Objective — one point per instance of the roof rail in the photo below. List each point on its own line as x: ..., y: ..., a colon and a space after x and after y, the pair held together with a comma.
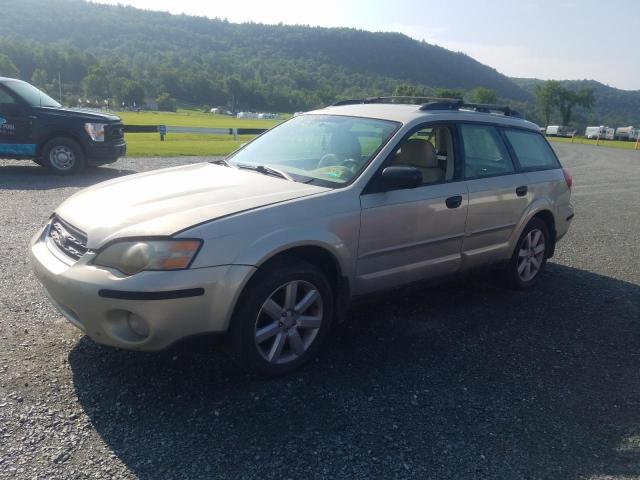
x: 476, y: 107
x: 434, y: 104
x: 391, y: 99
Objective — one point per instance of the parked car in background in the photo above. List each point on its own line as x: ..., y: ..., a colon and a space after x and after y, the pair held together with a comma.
x: 34, y: 126
x: 269, y: 246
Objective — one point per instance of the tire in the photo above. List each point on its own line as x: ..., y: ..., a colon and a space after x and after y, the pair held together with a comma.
x: 269, y: 338
x: 530, y: 256
x: 63, y: 156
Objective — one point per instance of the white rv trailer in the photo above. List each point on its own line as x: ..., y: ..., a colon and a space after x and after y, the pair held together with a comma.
x: 595, y: 132
x: 610, y: 133
x: 559, y: 131
x: 626, y: 133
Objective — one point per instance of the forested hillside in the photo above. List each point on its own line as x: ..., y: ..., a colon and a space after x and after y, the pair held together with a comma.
x: 125, y: 54
x: 612, y: 107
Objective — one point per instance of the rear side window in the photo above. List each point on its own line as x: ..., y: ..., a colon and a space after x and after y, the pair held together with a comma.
x: 532, y: 150
x: 485, y: 154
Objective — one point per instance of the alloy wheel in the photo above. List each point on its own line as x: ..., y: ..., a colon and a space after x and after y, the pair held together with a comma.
x: 531, y: 255
x: 288, y: 322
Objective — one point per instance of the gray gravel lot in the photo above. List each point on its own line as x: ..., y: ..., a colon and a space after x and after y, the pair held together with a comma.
x: 464, y: 380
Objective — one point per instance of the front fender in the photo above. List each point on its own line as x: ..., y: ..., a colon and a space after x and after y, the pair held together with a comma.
x: 270, y: 245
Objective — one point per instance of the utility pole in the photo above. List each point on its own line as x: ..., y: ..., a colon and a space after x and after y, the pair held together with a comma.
x: 59, y: 87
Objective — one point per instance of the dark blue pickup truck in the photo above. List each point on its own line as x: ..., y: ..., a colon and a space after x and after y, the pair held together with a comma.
x: 34, y: 126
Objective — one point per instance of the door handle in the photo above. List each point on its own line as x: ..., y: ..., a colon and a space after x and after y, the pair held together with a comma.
x: 454, y: 202
x: 522, y: 190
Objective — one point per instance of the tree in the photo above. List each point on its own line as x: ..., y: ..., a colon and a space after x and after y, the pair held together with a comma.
x: 449, y: 93
x: 546, y: 97
x: 40, y: 78
x: 405, y: 90
x: 132, y: 93
x: 7, y: 67
x: 484, y: 95
x: 96, y: 84
x: 568, y: 99
x: 166, y: 103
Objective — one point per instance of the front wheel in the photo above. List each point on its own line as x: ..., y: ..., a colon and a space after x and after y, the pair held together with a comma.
x: 282, y: 318
x: 63, y: 156
x: 530, y: 255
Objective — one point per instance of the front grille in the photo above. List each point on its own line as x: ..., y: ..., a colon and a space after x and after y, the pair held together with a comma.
x: 68, y: 239
x: 114, y: 131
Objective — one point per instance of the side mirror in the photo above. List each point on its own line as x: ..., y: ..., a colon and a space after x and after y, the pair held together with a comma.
x: 395, y: 178
x: 11, y: 109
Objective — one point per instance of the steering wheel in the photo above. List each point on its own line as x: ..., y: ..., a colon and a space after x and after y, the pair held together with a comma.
x: 328, y: 160
x: 351, y: 164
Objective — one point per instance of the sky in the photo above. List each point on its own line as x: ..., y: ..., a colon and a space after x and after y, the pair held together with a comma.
x: 561, y: 39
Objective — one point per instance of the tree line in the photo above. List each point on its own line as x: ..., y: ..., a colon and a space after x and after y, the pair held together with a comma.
x: 552, y: 97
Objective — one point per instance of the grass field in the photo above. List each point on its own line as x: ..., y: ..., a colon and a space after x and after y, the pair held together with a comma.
x: 603, y: 143
x: 181, y: 144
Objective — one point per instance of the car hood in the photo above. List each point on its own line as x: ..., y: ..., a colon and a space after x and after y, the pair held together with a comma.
x: 89, y: 115
x: 164, y: 202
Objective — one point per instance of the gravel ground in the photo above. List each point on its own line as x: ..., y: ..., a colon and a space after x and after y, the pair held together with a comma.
x: 465, y: 380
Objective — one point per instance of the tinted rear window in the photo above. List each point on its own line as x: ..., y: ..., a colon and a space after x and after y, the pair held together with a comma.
x: 532, y: 150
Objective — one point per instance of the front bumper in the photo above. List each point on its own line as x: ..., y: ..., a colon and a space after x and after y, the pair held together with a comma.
x: 102, y: 153
x: 78, y: 292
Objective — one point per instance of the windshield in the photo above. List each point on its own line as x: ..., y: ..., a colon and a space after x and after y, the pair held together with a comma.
x: 323, y: 149
x: 31, y: 95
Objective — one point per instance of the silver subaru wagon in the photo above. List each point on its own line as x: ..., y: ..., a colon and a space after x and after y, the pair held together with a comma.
x: 270, y: 245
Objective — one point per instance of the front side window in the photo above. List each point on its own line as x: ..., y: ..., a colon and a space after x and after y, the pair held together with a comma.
x: 323, y: 149
x: 430, y: 150
x: 532, y: 150
x: 485, y: 154
x: 5, y: 97
x: 31, y: 95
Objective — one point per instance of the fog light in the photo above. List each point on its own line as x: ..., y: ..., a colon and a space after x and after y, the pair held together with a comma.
x: 138, y: 325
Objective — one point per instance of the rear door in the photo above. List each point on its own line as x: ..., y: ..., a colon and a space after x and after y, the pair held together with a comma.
x: 498, y: 195
x: 15, y: 127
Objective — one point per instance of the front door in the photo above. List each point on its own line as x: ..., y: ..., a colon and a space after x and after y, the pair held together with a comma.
x: 409, y: 235
x: 15, y: 127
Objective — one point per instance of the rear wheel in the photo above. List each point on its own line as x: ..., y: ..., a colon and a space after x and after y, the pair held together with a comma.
x: 530, y: 255
x: 282, y: 318
x: 63, y: 156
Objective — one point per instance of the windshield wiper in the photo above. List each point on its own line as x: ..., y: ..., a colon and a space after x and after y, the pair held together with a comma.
x: 274, y: 172
x: 221, y: 161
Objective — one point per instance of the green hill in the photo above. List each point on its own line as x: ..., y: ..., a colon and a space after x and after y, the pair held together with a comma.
x: 206, y: 61
x: 129, y: 55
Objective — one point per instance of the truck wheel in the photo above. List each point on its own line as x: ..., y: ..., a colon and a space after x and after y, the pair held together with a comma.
x: 63, y: 156
x: 282, y: 318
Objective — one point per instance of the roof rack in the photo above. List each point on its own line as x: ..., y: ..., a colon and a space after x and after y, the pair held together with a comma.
x: 434, y: 104
x: 392, y: 99
x: 476, y: 107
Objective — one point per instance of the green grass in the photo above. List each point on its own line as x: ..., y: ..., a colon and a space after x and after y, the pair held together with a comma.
x: 182, y: 144
x: 603, y: 143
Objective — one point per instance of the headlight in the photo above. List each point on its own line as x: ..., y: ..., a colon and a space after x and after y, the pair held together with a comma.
x: 95, y: 131
x: 131, y: 257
